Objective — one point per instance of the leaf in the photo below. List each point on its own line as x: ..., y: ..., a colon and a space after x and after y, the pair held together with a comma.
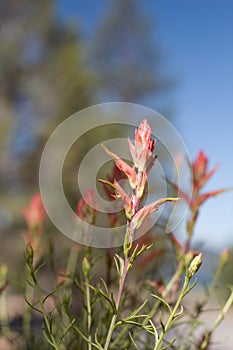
x: 66, y: 331
x: 169, y: 345
x: 121, y: 264
x: 134, y: 314
x: 133, y: 341
x: 48, y: 339
x: 155, y: 333
x: 107, y: 296
x: 105, y: 182
x: 162, y: 324
x: 141, y: 215
x: 164, y: 302
x: 180, y: 312
x: 33, y: 307
x: 96, y: 340
x: 85, y: 338
x: 190, y: 287
x: 53, y: 292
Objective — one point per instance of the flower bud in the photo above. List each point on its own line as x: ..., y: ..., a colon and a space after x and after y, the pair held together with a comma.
x: 225, y: 257
x: 86, y: 266
x: 195, y: 265
x: 29, y: 254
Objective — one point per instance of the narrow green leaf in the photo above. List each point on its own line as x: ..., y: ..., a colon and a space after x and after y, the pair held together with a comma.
x: 54, y: 291
x: 48, y: 339
x: 121, y: 263
x: 133, y: 341
x: 66, y: 331
x: 169, y: 345
x: 33, y: 307
x: 85, y: 338
x: 164, y: 302
x: 134, y: 314
x: 179, y: 312
x: 155, y: 333
x: 190, y: 287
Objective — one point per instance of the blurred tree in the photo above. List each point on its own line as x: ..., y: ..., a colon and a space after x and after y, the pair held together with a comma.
x: 43, y: 80
x: 126, y: 58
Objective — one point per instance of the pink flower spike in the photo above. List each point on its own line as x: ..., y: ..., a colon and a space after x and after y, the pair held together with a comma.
x: 123, y: 166
x: 142, y: 150
x: 108, y: 185
x: 208, y: 175
x: 199, y: 168
x: 121, y: 193
x: 141, y: 182
x: 141, y: 215
x: 203, y: 197
x: 143, y: 135
x: 35, y: 213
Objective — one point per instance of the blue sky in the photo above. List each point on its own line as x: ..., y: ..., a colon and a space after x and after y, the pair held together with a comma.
x: 197, y: 39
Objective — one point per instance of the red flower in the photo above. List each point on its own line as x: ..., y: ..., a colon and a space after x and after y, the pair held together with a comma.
x: 199, y: 168
x: 35, y: 213
x: 141, y: 215
x: 86, y: 208
x: 142, y: 150
x: 143, y: 159
x: 200, y: 177
x: 124, y: 167
x: 115, y: 175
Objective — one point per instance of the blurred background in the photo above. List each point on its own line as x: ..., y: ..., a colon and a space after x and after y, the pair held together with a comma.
x: 58, y: 57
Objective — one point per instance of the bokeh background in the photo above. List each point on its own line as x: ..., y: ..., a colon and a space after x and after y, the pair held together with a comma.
x: 58, y: 57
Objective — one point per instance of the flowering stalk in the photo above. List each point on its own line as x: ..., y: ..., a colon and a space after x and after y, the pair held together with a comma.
x: 200, y: 177
x: 143, y: 160
x: 87, y: 211
x: 86, y: 271
x: 34, y: 215
x: 191, y: 271
x: 29, y: 256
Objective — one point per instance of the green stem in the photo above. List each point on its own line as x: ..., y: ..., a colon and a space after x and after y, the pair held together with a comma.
x: 118, y: 300
x: 127, y: 247
x: 3, y: 314
x: 172, y: 315
x: 40, y: 299
x: 223, y: 311
x: 29, y: 294
x: 165, y: 293
x: 110, y: 331
x: 88, y: 300
x: 167, y: 290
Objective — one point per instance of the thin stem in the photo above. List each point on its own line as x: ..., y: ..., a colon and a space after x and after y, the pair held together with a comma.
x: 88, y: 300
x: 118, y: 300
x: 167, y: 290
x: 165, y: 293
x: 110, y: 331
x: 40, y: 299
x: 172, y: 315
x: 29, y: 294
x: 121, y: 286
x: 223, y: 311
x: 3, y: 314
